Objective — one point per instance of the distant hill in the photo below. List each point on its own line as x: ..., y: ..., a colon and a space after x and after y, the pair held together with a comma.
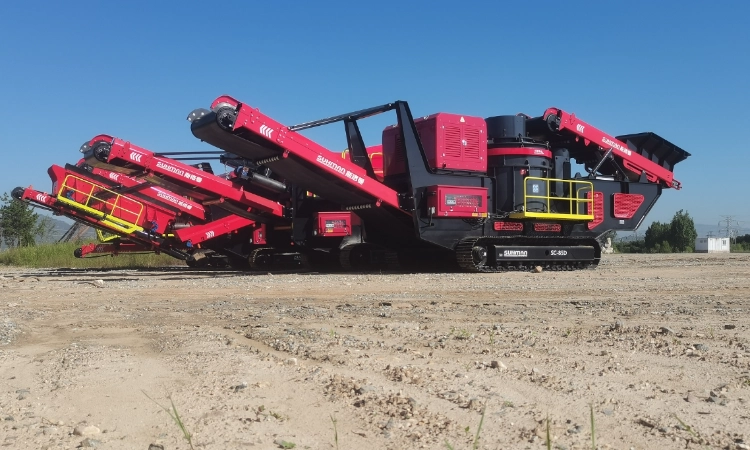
x: 62, y: 225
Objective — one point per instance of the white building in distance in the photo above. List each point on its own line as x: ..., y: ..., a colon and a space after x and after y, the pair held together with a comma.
x: 712, y: 245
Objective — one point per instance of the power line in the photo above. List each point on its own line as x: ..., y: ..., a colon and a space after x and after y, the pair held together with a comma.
x: 730, y: 226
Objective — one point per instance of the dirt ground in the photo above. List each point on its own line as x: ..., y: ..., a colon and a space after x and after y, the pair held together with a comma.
x: 656, y: 346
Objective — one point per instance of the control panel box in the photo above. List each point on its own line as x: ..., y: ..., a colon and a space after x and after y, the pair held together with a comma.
x: 334, y: 224
x: 457, y: 201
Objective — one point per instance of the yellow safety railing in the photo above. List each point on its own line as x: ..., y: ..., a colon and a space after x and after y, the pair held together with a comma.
x: 105, y: 236
x: 579, y: 201
x: 81, y: 194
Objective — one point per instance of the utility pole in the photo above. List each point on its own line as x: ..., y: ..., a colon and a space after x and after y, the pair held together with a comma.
x: 730, y: 226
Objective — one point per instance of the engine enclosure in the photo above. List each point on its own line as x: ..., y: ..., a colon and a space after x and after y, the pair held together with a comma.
x: 451, y: 142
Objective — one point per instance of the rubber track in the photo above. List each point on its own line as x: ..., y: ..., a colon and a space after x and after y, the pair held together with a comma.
x: 465, y: 260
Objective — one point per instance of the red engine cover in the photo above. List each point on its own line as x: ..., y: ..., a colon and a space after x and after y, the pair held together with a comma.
x: 450, y: 141
x: 457, y: 201
x: 335, y: 224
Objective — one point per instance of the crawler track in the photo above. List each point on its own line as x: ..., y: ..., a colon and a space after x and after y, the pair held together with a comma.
x: 470, y: 259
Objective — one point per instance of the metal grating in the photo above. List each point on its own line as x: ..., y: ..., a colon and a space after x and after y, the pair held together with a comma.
x: 547, y: 227
x: 626, y: 205
x: 598, y: 212
x: 453, y: 147
x: 472, y: 149
x: 508, y: 226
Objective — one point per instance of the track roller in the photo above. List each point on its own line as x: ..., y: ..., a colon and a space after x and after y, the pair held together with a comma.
x: 269, y: 258
x: 471, y: 256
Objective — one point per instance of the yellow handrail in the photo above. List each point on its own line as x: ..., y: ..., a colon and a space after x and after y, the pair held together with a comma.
x: 110, y: 218
x: 574, y: 202
x: 106, y: 237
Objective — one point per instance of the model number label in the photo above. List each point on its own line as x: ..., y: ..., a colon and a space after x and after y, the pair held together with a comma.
x: 558, y: 253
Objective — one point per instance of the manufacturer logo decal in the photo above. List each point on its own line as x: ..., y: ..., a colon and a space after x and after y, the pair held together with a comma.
x: 515, y: 253
x: 172, y: 199
x: 135, y: 157
x: 609, y: 142
x: 41, y: 198
x: 333, y: 166
x: 210, y: 234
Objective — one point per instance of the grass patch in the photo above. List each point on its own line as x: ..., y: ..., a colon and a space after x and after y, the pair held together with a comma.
x: 461, y: 334
x: 335, y: 432
x: 475, y: 443
x: 172, y: 411
x: 61, y: 255
x: 593, y: 427
x: 475, y: 446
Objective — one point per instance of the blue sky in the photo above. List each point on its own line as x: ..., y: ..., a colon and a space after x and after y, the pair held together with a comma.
x: 71, y: 70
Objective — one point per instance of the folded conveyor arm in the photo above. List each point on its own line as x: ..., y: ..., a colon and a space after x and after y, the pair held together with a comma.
x: 655, y: 157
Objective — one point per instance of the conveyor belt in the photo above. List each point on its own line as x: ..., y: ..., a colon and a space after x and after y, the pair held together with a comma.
x: 299, y: 170
x: 181, y: 178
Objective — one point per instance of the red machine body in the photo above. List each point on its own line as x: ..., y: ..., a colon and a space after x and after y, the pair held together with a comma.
x: 511, y: 174
x: 450, y: 142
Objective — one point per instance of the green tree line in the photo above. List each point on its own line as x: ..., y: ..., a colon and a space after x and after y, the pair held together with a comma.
x: 670, y: 237
x: 20, y: 226
x: 741, y: 244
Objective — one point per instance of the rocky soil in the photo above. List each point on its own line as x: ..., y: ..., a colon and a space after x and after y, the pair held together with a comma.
x: 656, y: 347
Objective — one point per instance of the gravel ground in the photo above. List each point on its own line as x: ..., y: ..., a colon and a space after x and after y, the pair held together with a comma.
x: 656, y: 346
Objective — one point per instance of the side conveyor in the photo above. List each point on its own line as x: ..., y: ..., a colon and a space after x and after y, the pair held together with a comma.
x: 244, y: 131
x: 180, y: 178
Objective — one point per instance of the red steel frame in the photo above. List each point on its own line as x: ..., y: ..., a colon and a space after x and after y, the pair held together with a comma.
x: 180, y: 203
x: 196, y: 234
x: 49, y: 201
x: 220, y: 227
x: 152, y: 212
